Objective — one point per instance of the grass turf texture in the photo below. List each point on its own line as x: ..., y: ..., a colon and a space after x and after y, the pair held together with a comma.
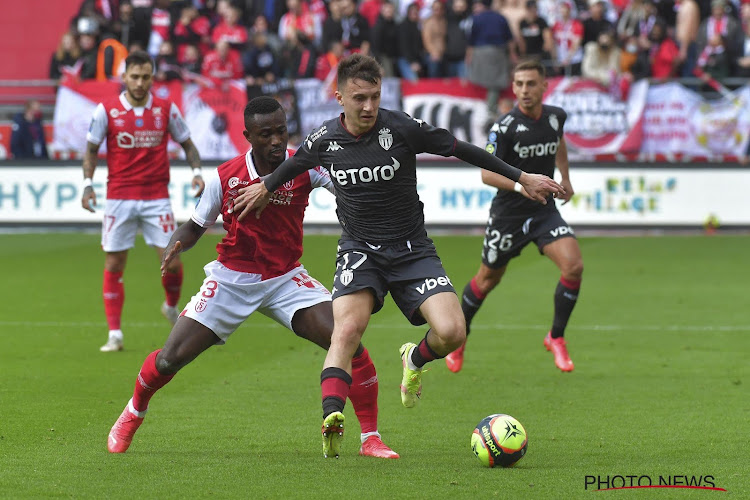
x: 659, y: 339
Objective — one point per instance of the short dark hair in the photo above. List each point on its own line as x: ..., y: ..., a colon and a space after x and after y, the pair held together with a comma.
x: 359, y: 66
x: 263, y: 105
x: 531, y: 64
x: 138, y: 58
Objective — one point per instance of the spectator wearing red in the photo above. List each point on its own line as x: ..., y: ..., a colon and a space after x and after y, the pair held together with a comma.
x: 568, y: 35
x: 222, y: 64
x: 191, y: 28
x: 718, y: 34
x: 664, y: 53
x: 370, y: 10
x: 161, y: 21
x: 327, y: 64
x: 229, y: 30
x: 301, y: 20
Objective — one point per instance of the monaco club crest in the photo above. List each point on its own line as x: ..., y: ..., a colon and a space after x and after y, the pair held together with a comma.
x: 553, y: 122
x: 347, y: 275
x: 385, y: 138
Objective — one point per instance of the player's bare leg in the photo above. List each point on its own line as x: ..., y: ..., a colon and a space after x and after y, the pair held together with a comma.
x: 316, y: 325
x: 447, y: 333
x: 566, y: 254
x: 472, y: 298
x: 113, y: 292
x: 171, y: 281
x: 186, y: 341
x: 351, y: 314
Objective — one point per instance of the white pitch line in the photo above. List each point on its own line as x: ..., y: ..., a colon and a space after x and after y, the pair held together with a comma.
x: 500, y: 326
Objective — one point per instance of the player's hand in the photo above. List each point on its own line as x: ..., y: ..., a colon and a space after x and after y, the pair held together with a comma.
x: 88, y: 200
x: 199, y: 184
x: 253, y: 197
x: 538, y: 187
x: 568, y: 187
x: 169, y: 254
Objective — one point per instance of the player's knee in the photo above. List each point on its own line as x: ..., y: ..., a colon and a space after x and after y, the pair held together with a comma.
x: 573, y: 270
x: 167, y: 363
x: 451, y: 331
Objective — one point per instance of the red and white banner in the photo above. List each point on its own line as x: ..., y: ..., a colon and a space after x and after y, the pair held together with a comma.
x: 599, y: 122
x: 681, y: 122
x: 450, y: 103
x: 73, y: 110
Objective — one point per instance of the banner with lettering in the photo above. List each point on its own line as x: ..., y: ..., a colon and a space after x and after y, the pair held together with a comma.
x: 73, y: 110
x: 599, y: 121
x: 679, y: 121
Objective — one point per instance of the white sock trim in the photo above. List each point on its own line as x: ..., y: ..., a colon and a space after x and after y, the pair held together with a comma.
x: 363, y: 437
x: 409, y: 362
x: 131, y: 409
x: 115, y: 334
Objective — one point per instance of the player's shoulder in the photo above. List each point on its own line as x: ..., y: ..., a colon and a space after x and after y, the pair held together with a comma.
x: 160, y: 104
x: 327, y: 128
x: 234, y: 167
x: 396, y: 119
x: 111, y: 102
x: 503, y: 123
x: 554, y: 114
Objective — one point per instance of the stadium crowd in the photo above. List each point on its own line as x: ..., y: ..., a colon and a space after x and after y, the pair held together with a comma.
x: 611, y: 41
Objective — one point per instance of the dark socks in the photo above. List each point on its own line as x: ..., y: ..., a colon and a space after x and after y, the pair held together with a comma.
x: 566, y: 295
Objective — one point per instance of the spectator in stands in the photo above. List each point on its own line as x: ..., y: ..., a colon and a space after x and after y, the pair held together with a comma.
x: 27, y: 133
x: 92, y: 12
x: 664, y: 55
x: 88, y: 40
x: 65, y: 57
x: 328, y: 63
x: 384, y: 39
x: 568, y: 35
x: 191, y: 62
x: 370, y: 10
x: 410, y: 45
x: 536, y: 36
x: 298, y: 55
x: 596, y: 22
x: 161, y: 21
x: 191, y: 28
x: 491, y: 52
x: 229, y: 30
x: 123, y: 27
x: 434, y: 31
x: 631, y: 17
x: 262, y: 26
x: 718, y: 39
x: 458, y: 28
x: 743, y: 61
x: 601, y: 60
x: 222, y: 64
x: 351, y: 29
x: 166, y: 66
x: 300, y: 19
x: 260, y: 61
x: 110, y: 59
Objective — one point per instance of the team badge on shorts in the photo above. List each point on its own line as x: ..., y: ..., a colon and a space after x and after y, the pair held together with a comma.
x: 385, y: 138
x: 491, y: 255
x: 200, y: 306
x: 346, y: 277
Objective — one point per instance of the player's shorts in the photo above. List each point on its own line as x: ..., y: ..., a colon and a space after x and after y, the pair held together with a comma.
x: 227, y: 298
x: 505, y: 237
x: 411, y: 271
x: 122, y: 218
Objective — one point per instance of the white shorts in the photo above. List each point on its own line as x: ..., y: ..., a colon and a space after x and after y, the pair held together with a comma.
x: 227, y: 298
x: 122, y: 218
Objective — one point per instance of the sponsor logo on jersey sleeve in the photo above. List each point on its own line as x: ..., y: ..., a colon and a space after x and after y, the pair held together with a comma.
x: 310, y: 140
x: 491, y: 147
x: 492, y: 137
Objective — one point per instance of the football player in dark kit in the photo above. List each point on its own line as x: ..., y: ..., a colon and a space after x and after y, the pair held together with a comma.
x: 531, y: 137
x: 371, y: 156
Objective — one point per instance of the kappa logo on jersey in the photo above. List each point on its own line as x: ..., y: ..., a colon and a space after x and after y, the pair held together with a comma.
x: 420, y: 122
x: 553, y: 122
x: 346, y: 277
x: 125, y: 140
x: 536, y: 150
x: 385, y: 138
x: 333, y: 146
x: 522, y: 128
x: 315, y: 136
x: 365, y: 174
x: 562, y: 230
x: 431, y: 283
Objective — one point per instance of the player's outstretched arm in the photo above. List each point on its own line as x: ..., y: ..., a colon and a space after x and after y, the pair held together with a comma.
x: 183, y: 239
x: 537, y: 186
x: 256, y: 196
x: 88, y: 199
x: 194, y: 160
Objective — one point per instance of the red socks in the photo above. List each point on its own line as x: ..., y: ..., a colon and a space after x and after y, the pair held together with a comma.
x: 364, y: 392
x: 172, y: 283
x: 148, y: 382
x: 114, y: 298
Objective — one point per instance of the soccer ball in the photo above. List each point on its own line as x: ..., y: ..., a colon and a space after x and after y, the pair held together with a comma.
x: 499, y: 440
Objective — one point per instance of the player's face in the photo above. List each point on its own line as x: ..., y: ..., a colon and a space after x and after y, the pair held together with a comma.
x: 529, y: 88
x: 361, y: 101
x: 269, y: 136
x: 138, y: 80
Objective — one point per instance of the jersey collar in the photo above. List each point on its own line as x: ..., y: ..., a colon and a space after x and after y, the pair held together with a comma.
x: 251, y: 170
x: 127, y: 105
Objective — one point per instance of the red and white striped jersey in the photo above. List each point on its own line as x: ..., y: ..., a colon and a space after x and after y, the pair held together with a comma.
x: 271, y: 245
x: 137, y: 161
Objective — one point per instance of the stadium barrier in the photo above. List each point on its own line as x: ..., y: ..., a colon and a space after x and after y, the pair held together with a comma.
x: 612, y: 195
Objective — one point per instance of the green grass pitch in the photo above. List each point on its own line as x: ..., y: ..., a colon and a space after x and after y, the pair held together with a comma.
x: 660, y: 339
